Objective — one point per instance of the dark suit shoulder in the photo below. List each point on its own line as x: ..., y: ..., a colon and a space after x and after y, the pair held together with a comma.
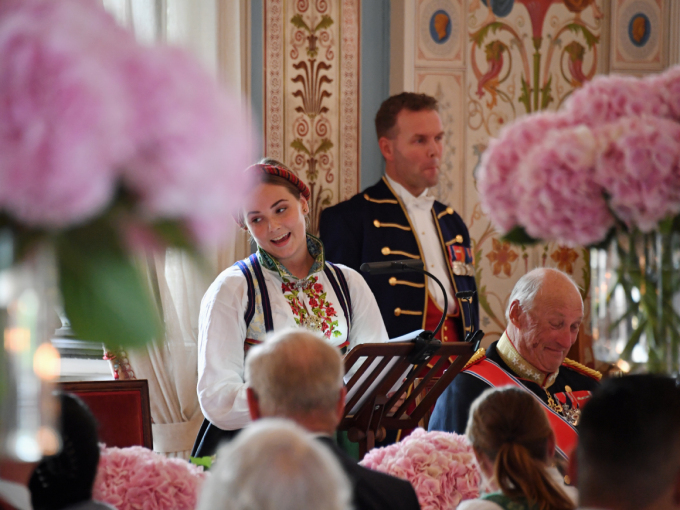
x: 374, y: 490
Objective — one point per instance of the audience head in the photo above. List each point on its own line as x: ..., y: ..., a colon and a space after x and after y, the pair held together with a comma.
x: 411, y: 139
x: 66, y: 478
x: 544, y: 315
x: 628, y: 455
x: 513, y: 442
x: 275, y: 465
x: 296, y: 374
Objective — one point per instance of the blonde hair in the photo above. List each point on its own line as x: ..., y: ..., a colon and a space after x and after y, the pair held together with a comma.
x: 511, y: 429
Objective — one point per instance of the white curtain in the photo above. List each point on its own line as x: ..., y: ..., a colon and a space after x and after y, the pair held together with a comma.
x: 216, y: 32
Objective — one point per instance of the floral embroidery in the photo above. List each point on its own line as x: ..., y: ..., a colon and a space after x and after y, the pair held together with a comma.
x: 322, y: 313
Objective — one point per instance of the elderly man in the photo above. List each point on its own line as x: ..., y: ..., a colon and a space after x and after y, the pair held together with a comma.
x: 275, y: 465
x: 544, y: 315
x: 628, y: 455
x: 295, y: 374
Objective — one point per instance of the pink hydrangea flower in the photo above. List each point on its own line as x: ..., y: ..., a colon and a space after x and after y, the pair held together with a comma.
x: 668, y: 86
x: 441, y: 466
x: 192, y: 144
x: 608, y: 98
x: 639, y: 167
x: 497, y: 178
x: 62, y: 110
x: 562, y: 199
x: 135, y: 477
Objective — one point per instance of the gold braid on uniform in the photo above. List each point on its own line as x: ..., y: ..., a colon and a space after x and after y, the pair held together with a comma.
x: 582, y: 368
x: 479, y: 354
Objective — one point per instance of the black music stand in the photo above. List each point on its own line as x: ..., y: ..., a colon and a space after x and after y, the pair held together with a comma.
x: 367, y: 411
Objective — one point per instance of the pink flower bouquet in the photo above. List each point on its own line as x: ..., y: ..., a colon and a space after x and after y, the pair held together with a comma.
x: 609, y: 160
x: 106, y: 146
x: 440, y: 465
x: 136, y: 477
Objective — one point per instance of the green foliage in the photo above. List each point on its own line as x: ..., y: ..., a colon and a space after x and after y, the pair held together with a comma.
x: 326, y: 22
x: 298, y: 22
x: 324, y: 146
x: 519, y: 236
x: 299, y: 146
x: 546, y: 97
x: 591, y: 39
x: 525, y: 96
x: 103, y: 293
x: 206, y: 461
x: 479, y: 36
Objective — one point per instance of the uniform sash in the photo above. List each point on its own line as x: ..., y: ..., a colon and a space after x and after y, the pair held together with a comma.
x: 566, y: 436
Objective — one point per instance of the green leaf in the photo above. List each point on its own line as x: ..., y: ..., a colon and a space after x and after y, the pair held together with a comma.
x: 479, y: 36
x: 324, y: 146
x: 591, y: 39
x: 174, y: 233
x: 326, y: 21
x: 298, y: 22
x: 299, y: 146
x: 546, y: 97
x: 519, y: 236
x: 103, y: 294
x: 206, y: 462
x: 524, y: 97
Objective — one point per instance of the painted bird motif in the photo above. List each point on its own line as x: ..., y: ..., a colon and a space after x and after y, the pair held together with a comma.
x: 489, y: 82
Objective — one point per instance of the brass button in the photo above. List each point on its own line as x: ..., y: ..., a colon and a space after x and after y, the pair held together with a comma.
x: 376, y: 223
x: 458, y: 239
x: 444, y: 327
x: 397, y: 312
x: 449, y: 210
x: 385, y: 251
x: 567, y: 480
x: 393, y: 281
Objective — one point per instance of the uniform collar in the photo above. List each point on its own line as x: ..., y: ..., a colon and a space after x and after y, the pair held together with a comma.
x: 520, y: 366
x: 423, y: 201
x: 315, y: 248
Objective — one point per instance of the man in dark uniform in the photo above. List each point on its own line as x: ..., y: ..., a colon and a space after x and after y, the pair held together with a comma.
x: 398, y: 218
x: 544, y: 316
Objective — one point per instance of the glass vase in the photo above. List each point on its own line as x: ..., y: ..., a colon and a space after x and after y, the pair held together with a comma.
x: 29, y: 364
x: 635, y: 299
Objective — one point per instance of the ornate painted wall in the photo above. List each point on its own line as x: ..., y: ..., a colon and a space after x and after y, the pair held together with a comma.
x: 311, y: 94
x: 489, y: 66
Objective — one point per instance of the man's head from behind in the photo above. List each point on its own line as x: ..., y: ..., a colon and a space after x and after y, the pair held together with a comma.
x: 295, y: 374
x: 410, y: 136
x: 544, y: 314
x: 628, y: 455
x: 275, y: 465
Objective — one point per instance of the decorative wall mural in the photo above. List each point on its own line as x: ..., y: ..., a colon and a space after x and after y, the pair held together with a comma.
x: 311, y: 109
x: 440, y: 33
x: 524, y: 56
x: 639, y: 38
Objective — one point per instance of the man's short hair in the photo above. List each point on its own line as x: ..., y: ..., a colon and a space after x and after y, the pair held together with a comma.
x: 295, y: 372
x: 527, y: 287
x: 629, y: 442
x: 386, y: 118
x: 274, y: 464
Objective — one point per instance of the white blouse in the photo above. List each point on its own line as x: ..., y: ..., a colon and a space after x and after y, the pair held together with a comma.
x: 222, y: 333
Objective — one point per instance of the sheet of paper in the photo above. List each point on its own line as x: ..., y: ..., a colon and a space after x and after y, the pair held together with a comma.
x: 409, y: 337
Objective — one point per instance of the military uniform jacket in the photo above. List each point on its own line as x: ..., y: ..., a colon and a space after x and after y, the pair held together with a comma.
x: 453, y: 406
x: 373, y: 226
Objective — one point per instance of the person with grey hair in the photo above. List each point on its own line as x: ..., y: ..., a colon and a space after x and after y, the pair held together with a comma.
x: 544, y: 314
x: 295, y: 374
x: 275, y: 465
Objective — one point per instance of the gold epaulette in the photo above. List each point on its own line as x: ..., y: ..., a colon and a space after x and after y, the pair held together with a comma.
x: 476, y: 357
x: 582, y: 368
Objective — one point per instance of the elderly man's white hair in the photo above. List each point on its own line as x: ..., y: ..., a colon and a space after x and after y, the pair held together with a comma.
x: 274, y: 464
x: 527, y: 287
x: 295, y: 372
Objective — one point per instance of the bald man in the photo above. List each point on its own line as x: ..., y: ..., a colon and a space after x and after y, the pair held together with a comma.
x: 544, y: 314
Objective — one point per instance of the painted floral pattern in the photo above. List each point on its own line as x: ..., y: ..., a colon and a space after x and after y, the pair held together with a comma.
x: 501, y: 257
x: 322, y: 312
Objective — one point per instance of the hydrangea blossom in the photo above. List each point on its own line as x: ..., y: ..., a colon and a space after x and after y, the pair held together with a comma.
x: 136, y: 477
x: 562, y: 199
x: 498, y: 182
x: 639, y: 167
x: 441, y: 466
